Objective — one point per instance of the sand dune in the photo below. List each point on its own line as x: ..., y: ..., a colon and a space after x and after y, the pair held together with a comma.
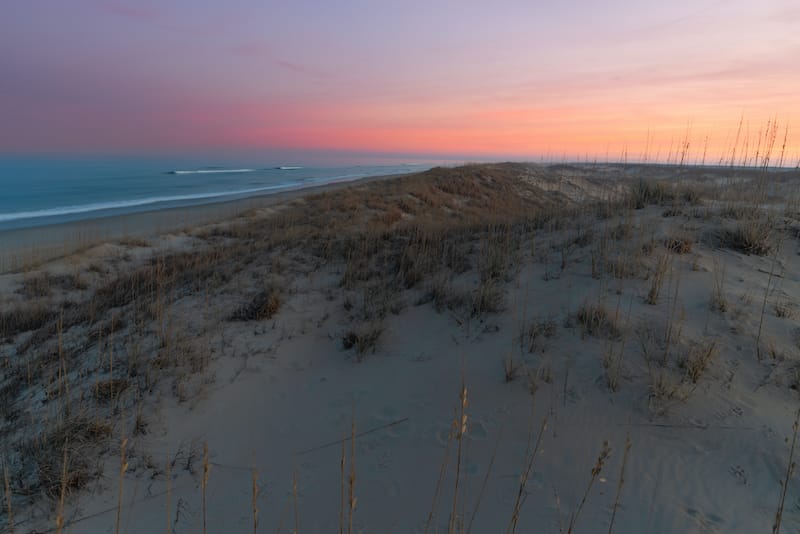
x: 492, y: 336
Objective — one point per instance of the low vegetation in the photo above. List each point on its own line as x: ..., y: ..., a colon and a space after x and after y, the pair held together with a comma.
x: 482, y: 246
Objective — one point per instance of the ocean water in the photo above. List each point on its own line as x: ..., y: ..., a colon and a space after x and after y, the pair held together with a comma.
x: 42, y: 191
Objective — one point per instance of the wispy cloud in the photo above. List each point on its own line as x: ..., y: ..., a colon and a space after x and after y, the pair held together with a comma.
x: 259, y: 50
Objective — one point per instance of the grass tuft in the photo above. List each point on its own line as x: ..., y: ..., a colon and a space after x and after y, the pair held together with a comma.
x: 596, y: 320
x: 749, y: 237
x: 263, y: 306
x: 363, y: 339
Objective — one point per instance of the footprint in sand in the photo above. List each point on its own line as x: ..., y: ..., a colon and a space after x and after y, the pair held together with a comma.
x: 738, y: 472
x: 710, y: 522
x: 442, y: 434
x: 383, y: 460
x: 768, y: 432
x: 400, y: 430
x: 388, y: 424
x: 368, y: 446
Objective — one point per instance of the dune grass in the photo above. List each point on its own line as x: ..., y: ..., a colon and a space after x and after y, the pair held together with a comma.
x: 455, y: 239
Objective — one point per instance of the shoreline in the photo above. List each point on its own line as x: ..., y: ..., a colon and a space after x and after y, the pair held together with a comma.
x: 21, y: 248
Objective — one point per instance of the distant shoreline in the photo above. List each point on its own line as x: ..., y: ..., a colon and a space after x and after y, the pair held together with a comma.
x: 25, y: 246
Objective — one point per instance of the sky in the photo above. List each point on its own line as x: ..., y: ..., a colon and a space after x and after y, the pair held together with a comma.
x: 511, y: 79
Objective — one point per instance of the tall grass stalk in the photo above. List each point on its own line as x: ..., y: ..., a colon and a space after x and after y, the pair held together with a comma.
x: 620, y: 483
x: 254, y: 499
x: 764, y: 302
x: 295, y: 503
x: 605, y: 452
x: 485, y: 481
x: 776, y: 526
x: 342, y: 466
x: 63, y: 494
x: 442, y: 471
x: 123, y: 467
x: 523, y: 481
x: 168, y: 471
x: 460, y: 433
x: 7, y: 491
x: 351, y: 481
x: 204, y: 484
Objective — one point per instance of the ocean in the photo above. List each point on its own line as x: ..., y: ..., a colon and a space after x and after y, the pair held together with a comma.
x: 38, y: 191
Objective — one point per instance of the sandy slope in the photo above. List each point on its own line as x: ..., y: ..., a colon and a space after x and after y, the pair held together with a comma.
x: 279, y: 394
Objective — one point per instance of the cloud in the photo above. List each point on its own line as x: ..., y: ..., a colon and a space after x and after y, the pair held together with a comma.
x: 260, y: 50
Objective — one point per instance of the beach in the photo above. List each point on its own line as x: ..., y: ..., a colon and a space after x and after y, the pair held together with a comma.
x: 496, y: 347
x: 21, y: 247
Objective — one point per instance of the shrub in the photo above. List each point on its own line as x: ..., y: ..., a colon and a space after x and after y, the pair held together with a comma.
x: 646, y: 193
x: 749, y: 237
x: 679, y: 244
x: 263, y: 306
x: 489, y: 298
x: 595, y: 320
x: 659, y: 274
x: 697, y: 360
x: 81, y: 438
x: 363, y: 339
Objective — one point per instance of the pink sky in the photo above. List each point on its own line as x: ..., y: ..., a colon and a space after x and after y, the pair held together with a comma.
x: 519, y: 79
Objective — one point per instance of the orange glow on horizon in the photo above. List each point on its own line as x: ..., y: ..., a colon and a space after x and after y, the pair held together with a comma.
x: 615, y: 80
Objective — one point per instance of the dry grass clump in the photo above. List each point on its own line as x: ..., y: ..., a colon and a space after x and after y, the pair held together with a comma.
x: 363, y: 339
x: 510, y: 368
x: 444, y: 295
x: 262, y: 306
x: 658, y: 192
x: 530, y: 336
x: 108, y: 390
x: 718, y: 300
x: 596, y: 320
x: 646, y: 193
x: 42, y: 457
x: 665, y: 388
x: 749, y: 237
x: 133, y: 242
x: 41, y: 284
x: 659, y: 274
x: 24, y: 318
x: 697, y: 359
x: 674, y: 365
x: 690, y: 195
x: 785, y: 309
x: 494, y: 254
x: 489, y: 297
x: 622, y: 231
x: 35, y: 285
x: 624, y: 265
x: 740, y: 212
x: 679, y: 244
